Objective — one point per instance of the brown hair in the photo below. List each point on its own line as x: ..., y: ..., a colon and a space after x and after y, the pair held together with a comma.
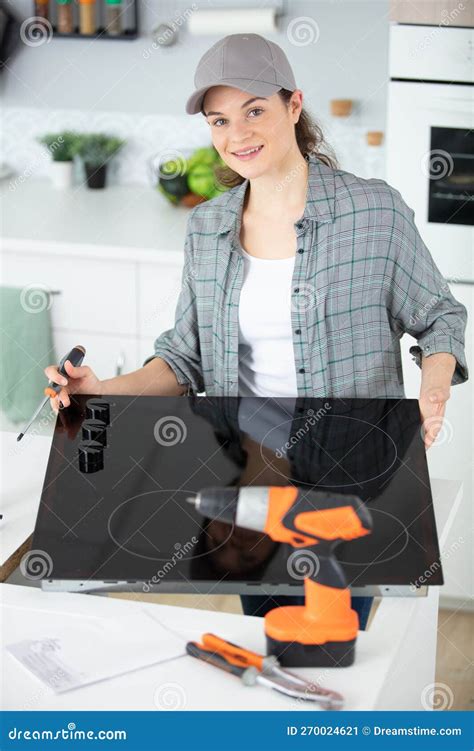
x: 309, y: 137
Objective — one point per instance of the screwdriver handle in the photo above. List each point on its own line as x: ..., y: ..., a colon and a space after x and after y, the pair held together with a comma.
x: 75, y: 356
x: 232, y: 652
x: 213, y: 658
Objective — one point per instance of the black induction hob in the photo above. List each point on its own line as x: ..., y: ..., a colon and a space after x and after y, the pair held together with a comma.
x: 115, y: 516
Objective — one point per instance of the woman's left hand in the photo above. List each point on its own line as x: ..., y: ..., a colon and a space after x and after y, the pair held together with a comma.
x: 432, y: 407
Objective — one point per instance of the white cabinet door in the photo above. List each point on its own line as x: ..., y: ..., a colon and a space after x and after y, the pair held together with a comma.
x: 159, y: 286
x: 106, y: 355
x: 94, y: 295
x: 415, y: 52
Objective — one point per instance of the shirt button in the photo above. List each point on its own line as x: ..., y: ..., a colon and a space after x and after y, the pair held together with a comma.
x: 297, y: 289
x: 297, y: 331
x: 301, y: 370
x: 300, y: 250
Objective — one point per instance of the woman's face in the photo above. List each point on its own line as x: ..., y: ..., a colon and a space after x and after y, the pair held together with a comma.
x: 239, y: 121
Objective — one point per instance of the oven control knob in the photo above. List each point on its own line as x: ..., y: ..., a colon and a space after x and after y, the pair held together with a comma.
x: 98, y: 409
x: 91, y: 456
x: 95, y: 430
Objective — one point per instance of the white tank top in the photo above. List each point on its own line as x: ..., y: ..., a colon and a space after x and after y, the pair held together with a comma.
x: 266, y: 357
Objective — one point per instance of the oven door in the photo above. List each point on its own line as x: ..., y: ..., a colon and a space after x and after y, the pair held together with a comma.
x: 430, y: 161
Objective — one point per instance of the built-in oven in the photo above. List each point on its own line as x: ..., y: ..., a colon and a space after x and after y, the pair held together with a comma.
x: 451, y: 176
x: 430, y: 139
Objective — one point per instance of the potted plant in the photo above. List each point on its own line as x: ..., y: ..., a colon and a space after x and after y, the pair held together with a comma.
x: 96, y: 150
x: 61, y: 147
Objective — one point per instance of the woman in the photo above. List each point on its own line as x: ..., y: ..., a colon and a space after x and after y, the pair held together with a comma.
x: 300, y: 279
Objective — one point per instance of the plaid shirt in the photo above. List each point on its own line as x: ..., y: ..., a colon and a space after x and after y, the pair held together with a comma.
x: 362, y: 278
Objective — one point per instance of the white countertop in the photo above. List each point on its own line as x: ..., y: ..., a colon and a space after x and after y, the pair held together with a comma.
x: 189, y: 683
x: 132, y: 222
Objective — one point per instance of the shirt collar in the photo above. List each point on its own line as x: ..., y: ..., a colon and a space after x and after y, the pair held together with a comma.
x: 319, y: 204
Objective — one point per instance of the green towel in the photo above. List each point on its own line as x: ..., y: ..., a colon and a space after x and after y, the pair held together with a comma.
x: 26, y: 349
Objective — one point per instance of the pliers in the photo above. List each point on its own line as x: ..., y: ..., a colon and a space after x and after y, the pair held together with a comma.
x: 253, y: 668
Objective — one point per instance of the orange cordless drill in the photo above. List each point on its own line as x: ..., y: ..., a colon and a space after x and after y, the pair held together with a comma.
x: 323, y: 631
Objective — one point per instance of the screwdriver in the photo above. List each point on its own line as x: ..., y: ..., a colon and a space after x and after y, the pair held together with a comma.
x: 75, y: 356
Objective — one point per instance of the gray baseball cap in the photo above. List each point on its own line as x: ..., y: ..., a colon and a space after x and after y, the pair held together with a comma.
x: 246, y: 61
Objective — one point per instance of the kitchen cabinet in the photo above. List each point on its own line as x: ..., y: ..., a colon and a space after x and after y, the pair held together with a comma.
x: 433, y: 12
x: 106, y: 354
x: 94, y: 295
x: 113, y: 258
x: 115, y: 309
x: 159, y: 291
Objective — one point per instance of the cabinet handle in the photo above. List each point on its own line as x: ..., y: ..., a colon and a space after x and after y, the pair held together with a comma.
x: 119, y: 364
x: 469, y: 282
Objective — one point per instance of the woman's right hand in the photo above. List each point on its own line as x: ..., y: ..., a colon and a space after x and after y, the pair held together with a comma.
x: 79, y: 380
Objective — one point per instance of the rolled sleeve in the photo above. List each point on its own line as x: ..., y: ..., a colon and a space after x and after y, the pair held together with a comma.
x: 421, y: 303
x: 179, y: 346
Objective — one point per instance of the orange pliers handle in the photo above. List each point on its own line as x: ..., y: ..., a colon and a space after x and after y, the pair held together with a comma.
x: 234, y: 654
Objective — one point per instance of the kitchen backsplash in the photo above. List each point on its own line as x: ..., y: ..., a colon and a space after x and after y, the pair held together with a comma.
x: 147, y: 135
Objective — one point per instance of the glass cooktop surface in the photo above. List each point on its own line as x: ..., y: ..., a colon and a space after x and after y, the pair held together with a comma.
x: 113, y: 510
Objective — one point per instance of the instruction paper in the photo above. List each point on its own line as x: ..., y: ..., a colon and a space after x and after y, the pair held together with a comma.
x: 79, y: 651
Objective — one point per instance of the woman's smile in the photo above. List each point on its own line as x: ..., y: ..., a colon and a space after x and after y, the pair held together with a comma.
x: 250, y: 153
